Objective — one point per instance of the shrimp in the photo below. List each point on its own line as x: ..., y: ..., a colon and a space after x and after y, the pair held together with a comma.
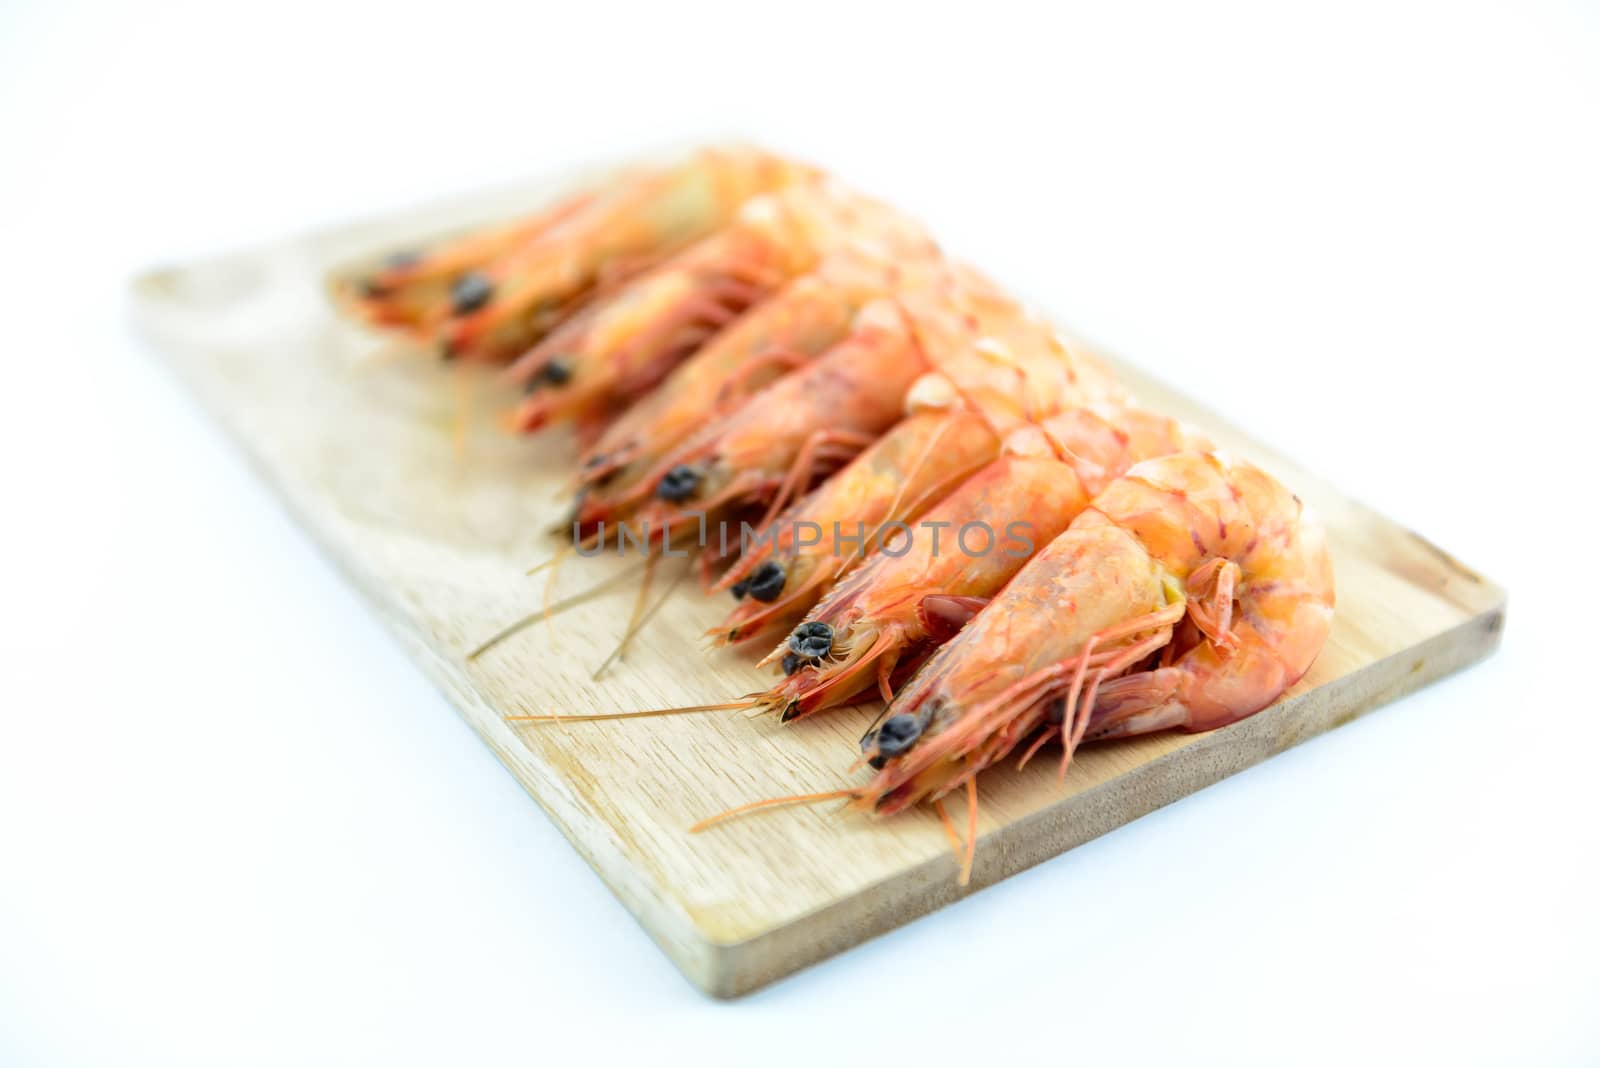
x: 809, y: 423
x: 782, y: 333
x: 768, y: 451
x: 1014, y: 369
x: 410, y: 291
x: 621, y: 347
x: 499, y: 309
x: 1190, y: 594
x: 913, y: 595
x: 804, y: 424
x: 800, y: 555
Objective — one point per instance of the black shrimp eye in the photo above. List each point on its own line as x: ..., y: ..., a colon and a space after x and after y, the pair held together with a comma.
x: 557, y: 372
x: 766, y: 582
x: 1056, y: 711
x: 897, y: 734
x: 792, y: 663
x: 678, y: 484
x: 469, y: 293
x: 399, y: 261
x: 739, y: 589
x: 813, y: 641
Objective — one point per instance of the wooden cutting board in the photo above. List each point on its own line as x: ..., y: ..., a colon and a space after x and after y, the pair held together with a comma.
x: 360, y: 437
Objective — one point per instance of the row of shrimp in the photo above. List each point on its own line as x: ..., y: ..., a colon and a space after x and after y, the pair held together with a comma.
x: 737, y: 337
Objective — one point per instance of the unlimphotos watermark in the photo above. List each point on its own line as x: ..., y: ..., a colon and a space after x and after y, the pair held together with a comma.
x: 894, y: 539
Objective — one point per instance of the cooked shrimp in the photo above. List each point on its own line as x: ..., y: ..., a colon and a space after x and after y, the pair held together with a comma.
x: 1190, y: 594
x: 500, y: 309
x: 619, y: 348
x: 806, y: 548
x: 410, y: 290
x: 782, y: 333
x: 997, y: 368
x: 803, y: 425
x: 917, y: 593
x: 811, y: 422
x: 769, y: 450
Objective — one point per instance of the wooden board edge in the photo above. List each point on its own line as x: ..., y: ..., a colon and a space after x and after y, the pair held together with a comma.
x: 741, y: 968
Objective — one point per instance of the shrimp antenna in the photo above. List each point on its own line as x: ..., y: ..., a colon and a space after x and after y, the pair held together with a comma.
x: 774, y: 802
x: 564, y: 553
x: 972, y: 832
x: 916, y: 467
x: 949, y: 829
x: 555, y: 561
x: 641, y: 615
x: 591, y: 543
x: 550, y: 610
x: 557, y: 717
x: 635, y: 617
x: 546, y: 608
x: 1038, y: 744
x: 932, y: 493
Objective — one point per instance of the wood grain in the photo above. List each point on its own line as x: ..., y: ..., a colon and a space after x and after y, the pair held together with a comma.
x: 359, y: 438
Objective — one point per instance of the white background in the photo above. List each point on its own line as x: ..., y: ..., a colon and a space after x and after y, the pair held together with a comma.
x: 237, y: 826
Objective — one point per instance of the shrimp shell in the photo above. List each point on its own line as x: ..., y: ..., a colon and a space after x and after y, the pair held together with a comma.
x: 997, y: 367
x: 620, y: 348
x: 1190, y: 594
x: 914, y: 595
x: 779, y: 335
x: 515, y: 297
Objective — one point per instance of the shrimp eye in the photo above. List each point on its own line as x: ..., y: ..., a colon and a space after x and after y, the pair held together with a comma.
x: 898, y: 733
x: 1056, y: 711
x: 606, y: 474
x: 399, y: 261
x: 791, y: 663
x: 469, y: 293
x: 678, y: 484
x: 739, y: 589
x: 766, y: 582
x: 557, y: 372
x: 812, y: 641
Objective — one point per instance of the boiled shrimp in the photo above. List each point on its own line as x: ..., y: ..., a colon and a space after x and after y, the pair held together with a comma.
x: 799, y: 428
x: 1192, y: 593
x: 1010, y: 369
x: 1189, y: 595
x: 901, y: 601
x: 779, y: 335
x: 410, y: 291
x: 617, y: 349
x: 813, y: 421
x: 498, y: 310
